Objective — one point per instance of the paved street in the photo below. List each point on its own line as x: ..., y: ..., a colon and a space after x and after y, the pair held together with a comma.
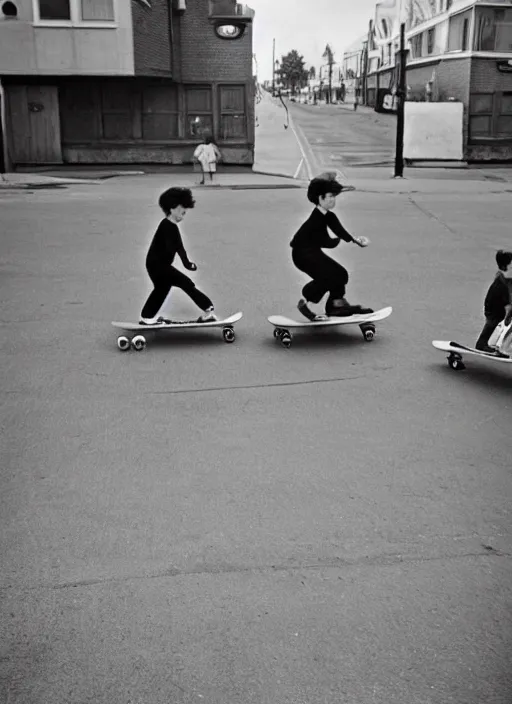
x: 241, y: 524
x: 341, y: 137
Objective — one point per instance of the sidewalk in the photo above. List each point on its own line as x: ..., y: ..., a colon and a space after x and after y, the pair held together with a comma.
x: 278, y: 150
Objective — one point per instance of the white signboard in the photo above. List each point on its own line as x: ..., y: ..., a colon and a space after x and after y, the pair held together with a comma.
x: 433, y: 131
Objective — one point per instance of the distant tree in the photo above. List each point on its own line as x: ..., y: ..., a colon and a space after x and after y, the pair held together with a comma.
x: 312, y: 73
x: 292, y: 71
x: 328, y: 55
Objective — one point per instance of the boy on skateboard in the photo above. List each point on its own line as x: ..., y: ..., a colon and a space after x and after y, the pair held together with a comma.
x: 312, y: 237
x: 498, y: 303
x: 166, y: 244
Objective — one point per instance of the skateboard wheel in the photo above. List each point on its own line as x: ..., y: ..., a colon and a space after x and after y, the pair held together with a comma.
x: 123, y: 343
x: 286, y: 339
x: 368, y: 335
x: 456, y: 363
x: 139, y: 342
x: 228, y: 334
x: 277, y: 333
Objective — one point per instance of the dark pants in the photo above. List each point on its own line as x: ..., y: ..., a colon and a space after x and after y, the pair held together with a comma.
x: 327, y: 275
x: 491, y: 322
x: 163, y: 280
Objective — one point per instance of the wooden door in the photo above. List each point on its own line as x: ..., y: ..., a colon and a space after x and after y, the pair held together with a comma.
x: 34, y: 124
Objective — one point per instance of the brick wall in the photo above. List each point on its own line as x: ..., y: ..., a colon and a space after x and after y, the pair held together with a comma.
x: 207, y: 58
x: 485, y: 77
x: 151, y: 38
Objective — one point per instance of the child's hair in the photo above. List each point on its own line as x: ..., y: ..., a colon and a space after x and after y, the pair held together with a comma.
x: 319, y: 187
x: 503, y: 260
x: 208, y: 140
x: 176, y: 196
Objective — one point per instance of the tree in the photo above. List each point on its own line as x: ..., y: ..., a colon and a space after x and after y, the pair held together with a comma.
x: 312, y: 73
x: 292, y: 71
x: 328, y: 55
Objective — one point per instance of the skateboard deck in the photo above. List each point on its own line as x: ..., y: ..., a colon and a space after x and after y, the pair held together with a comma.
x: 456, y: 353
x: 366, y: 321
x: 138, y: 342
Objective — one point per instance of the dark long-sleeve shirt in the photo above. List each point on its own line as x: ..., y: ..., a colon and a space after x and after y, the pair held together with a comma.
x: 166, y: 244
x: 313, y: 233
x: 498, y: 296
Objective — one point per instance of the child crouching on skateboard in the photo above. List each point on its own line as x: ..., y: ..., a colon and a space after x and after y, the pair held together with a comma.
x: 312, y: 237
x: 498, y: 307
x: 166, y: 244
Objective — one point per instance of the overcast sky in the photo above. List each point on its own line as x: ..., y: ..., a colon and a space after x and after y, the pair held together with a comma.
x: 306, y: 25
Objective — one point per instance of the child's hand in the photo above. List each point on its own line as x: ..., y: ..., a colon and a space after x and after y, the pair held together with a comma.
x: 362, y: 241
x: 191, y: 266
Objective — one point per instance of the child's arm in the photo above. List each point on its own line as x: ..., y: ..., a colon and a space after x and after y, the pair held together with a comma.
x: 342, y: 234
x: 186, y: 261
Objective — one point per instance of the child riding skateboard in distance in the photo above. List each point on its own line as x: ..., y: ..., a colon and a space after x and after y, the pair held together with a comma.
x: 312, y: 237
x: 166, y: 244
x: 498, y: 303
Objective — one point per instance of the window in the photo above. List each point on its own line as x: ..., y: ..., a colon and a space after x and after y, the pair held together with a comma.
x: 458, y: 32
x: 232, y: 112
x: 54, y: 10
x: 417, y: 46
x: 504, y: 119
x: 431, y: 40
x: 97, y: 10
x: 116, y: 111
x: 491, y: 116
x: 159, y: 113
x: 480, y: 114
x: 493, y: 31
x: 79, y: 111
x: 199, y: 112
x: 75, y: 12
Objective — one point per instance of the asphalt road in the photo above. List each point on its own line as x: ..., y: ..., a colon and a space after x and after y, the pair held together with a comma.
x: 242, y: 524
x: 341, y: 138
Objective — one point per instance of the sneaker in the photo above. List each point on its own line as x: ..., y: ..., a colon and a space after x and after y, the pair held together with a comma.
x: 345, y: 309
x: 485, y: 348
x: 151, y: 321
x: 308, y: 313
x: 207, y: 317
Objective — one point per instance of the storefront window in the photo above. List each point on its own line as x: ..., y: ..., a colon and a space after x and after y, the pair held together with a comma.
x: 490, y: 116
x: 493, y: 30
x: 232, y: 112
x: 199, y: 126
x: 199, y: 122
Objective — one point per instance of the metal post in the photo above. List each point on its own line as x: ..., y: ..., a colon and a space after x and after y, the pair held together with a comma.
x: 401, y: 94
x: 273, y: 68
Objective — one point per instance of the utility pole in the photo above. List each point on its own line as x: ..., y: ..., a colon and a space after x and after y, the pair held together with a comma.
x: 273, y: 68
x: 401, y: 94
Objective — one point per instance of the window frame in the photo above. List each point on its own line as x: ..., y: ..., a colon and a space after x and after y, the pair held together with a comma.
x: 232, y: 112
x: 494, y: 114
x: 198, y: 113
x: 431, y: 36
x: 76, y: 20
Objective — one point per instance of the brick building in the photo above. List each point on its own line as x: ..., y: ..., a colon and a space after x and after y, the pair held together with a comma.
x: 125, y: 81
x: 458, y: 50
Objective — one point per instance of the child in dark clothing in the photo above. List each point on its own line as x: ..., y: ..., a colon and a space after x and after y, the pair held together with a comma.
x: 327, y: 275
x: 166, y: 244
x: 498, y: 301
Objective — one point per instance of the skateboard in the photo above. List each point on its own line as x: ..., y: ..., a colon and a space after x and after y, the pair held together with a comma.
x: 366, y: 322
x: 456, y: 354
x: 138, y: 341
